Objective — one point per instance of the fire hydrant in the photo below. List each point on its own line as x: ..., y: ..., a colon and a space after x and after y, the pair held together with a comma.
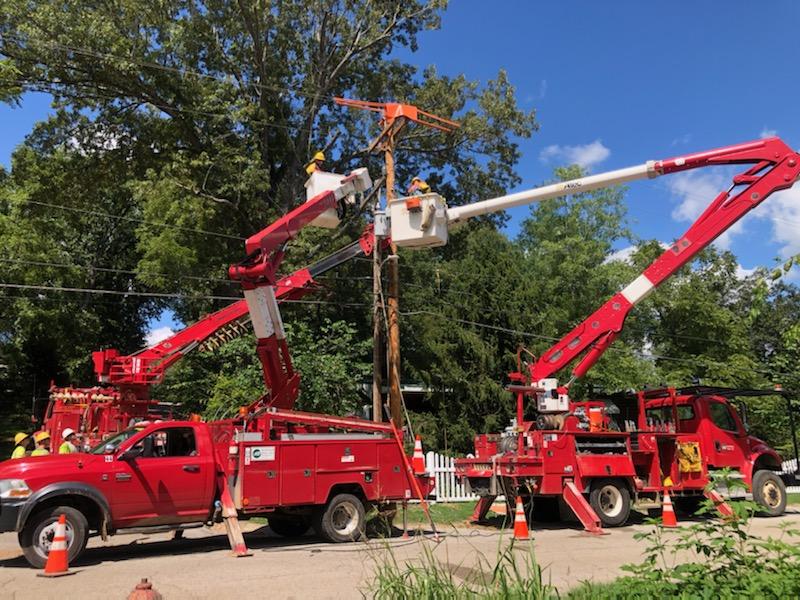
x: 144, y: 591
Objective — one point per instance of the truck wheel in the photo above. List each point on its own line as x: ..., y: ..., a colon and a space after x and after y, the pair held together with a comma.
x: 769, y: 492
x: 611, y: 501
x: 288, y: 526
x: 37, y: 535
x: 342, y: 520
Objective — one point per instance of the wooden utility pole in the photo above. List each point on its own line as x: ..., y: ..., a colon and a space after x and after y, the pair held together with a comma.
x: 377, y: 334
x: 393, y: 302
x: 394, y: 117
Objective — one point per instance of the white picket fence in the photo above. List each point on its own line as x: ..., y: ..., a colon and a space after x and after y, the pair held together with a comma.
x: 448, y: 488
x: 790, y: 466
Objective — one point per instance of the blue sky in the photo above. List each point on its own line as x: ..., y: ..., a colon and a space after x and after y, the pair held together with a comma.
x: 618, y: 83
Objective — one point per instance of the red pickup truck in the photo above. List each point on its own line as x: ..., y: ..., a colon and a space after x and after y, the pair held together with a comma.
x: 168, y: 475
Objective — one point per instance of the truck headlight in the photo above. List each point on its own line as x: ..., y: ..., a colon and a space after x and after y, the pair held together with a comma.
x: 14, y: 488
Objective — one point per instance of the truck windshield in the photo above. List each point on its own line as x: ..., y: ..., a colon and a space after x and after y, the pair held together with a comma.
x: 113, y: 442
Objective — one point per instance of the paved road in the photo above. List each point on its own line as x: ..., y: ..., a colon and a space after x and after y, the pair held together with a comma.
x: 199, y: 566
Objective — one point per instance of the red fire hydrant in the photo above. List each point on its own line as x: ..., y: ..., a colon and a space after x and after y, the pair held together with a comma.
x: 144, y: 591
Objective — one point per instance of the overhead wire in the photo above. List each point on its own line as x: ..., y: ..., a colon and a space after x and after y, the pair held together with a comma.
x: 135, y: 220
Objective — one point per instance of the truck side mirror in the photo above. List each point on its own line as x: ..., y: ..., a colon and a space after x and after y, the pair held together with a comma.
x: 130, y: 454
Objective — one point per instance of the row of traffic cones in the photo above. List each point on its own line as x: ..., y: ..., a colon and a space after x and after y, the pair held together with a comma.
x: 521, y: 531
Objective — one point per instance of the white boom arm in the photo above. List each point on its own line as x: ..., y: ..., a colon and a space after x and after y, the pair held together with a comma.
x: 422, y: 221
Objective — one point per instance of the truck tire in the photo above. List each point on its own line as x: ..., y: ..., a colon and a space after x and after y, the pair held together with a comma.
x: 769, y: 493
x: 288, y: 526
x: 37, y: 535
x: 611, y: 501
x: 343, y: 519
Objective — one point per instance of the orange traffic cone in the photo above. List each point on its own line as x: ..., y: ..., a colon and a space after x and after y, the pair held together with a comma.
x: 520, y: 524
x: 418, y: 460
x: 57, y: 561
x: 668, y: 518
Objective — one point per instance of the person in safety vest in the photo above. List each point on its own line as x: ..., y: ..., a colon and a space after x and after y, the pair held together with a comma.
x: 316, y: 163
x: 68, y: 445
x: 42, y: 439
x: 22, y: 443
x: 418, y: 187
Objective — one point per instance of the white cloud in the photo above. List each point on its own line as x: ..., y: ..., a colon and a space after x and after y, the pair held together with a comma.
x: 159, y: 334
x: 783, y: 210
x: 682, y: 140
x: 766, y: 133
x: 542, y: 88
x: 696, y: 191
x: 586, y: 155
x: 625, y: 254
x: 743, y: 273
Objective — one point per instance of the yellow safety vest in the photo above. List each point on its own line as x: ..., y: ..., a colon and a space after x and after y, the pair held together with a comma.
x: 19, y: 452
x: 40, y: 452
x: 66, y: 448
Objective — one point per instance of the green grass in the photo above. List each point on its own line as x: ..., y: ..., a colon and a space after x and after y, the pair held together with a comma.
x: 442, y: 513
x: 793, y: 499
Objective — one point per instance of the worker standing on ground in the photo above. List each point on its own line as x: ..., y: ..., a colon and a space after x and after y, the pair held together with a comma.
x: 68, y: 446
x: 42, y: 439
x: 418, y: 187
x: 316, y: 163
x: 22, y: 442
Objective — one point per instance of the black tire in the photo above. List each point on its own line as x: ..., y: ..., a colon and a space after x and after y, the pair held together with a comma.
x: 769, y: 492
x: 343, y: 519
x: 611, y: 501
x: 288, y: 526
x: 545, y: 509
x: 687, y: 505
x: 36, y: 536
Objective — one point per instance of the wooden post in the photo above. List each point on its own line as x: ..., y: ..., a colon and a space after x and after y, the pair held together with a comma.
x: 393, y: 303
x: 377, y: 335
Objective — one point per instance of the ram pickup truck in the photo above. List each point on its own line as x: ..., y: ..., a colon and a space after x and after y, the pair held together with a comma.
x: 168, y: 475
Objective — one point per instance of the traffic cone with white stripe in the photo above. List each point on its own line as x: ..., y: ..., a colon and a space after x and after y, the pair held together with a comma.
x: 520, y: 524
x: 668, y: 518
x: 418, y: 460
x: 57, y: 560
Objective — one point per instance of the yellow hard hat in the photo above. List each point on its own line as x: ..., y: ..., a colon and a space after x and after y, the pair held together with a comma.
x: 418, y: 183
x: 41, y: 436
x: 19, y: 437
x: 318, y: 156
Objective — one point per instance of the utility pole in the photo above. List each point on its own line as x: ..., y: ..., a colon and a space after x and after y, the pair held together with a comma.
x: 377, y: 331
x: 393, y: 302
x: 394, y: 117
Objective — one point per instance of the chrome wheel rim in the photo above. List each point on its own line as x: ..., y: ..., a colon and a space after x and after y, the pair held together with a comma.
x: 610, y: 500
x: 45, y: 538
x: 345, y: 519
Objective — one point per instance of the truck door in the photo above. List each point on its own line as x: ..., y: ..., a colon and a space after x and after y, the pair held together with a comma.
x: 169, y: 482
x: 724, y: 435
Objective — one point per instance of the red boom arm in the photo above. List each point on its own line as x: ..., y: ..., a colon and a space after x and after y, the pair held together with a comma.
x: 775, y: 167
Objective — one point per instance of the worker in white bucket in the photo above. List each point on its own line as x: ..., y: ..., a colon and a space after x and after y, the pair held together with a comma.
x: 418, y: 187
x: 316, y: 162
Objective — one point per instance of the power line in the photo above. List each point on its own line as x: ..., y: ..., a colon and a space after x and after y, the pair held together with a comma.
x: 40, y: 263
x: 134, y: 220
x: 137, y: 293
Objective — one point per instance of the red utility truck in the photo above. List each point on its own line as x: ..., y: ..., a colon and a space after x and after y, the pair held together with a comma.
x: 297, y: 469
x: 563, y: 450
x: 681, y: 436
